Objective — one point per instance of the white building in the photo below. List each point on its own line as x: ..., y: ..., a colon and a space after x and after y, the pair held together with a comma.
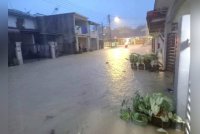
x: 174, y: 49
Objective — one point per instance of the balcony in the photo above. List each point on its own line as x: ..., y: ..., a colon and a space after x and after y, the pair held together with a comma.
x: 94, y: 29
x: 94, y: 34
x: 81, y: 30
x: 156, y: 21
x: 81, y: 25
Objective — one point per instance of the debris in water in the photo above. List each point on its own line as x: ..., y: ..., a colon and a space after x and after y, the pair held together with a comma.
x: 52, y: 131
x: 48, y: 117
x: 161, y: 130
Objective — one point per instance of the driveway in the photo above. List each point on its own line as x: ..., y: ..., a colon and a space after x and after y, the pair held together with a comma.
x: 79, y: 94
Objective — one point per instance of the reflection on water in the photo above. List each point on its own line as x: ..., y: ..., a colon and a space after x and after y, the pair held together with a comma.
x: 117, y: 70
x: 117, y: 61
x: 85, y: 96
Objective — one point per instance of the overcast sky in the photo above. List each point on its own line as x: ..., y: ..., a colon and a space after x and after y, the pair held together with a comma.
x: 131, y: 12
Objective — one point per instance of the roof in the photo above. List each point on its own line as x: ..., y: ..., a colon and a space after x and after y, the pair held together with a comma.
x: 93, y: 23
x: 71, y: 13
x: 19, y: 13
x: 162, y: 4
x: 79, y: 15
x: 27, y: 14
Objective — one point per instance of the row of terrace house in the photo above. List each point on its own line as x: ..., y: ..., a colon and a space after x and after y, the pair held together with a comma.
x: 169, y: 25
x: 48, y: 36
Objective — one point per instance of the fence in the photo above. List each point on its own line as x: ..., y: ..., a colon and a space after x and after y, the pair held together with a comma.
x: 35, y: 51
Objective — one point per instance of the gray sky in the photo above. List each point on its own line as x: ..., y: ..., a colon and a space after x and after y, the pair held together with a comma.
x: 131, y: 12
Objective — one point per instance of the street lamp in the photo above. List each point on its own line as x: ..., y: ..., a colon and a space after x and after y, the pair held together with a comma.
x: 117, y: 19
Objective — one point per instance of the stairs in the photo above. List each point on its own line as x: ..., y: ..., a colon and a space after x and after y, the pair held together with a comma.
x: 171, y: 52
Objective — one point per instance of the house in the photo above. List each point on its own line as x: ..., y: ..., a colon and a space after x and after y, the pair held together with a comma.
x: 74, y: 33
x: 35, y: 37
x: 22, y: 33
x: 25, y: 42
x: 156, y: 19
x: 172, y: 36
x: 177, y: 34
x: 96, y: 36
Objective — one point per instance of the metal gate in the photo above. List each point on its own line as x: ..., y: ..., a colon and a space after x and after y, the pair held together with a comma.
x: 59, y: 50
x: 35, y: 51
x: 171, y: 52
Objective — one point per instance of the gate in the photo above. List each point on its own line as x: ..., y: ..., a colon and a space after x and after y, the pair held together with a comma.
x: 171, y: 52
x: 59, y: 50
x: 35, y: 51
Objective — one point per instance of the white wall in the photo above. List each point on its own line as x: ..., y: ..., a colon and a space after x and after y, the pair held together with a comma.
x: 183, y: 9
x: 175, y: 16
x: 195, y: 67
x: 12, y: 21
x: 28, y: 23
x: 182, y: 66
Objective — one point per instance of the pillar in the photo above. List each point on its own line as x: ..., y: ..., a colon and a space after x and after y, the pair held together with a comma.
x: 77, y: 46
x: 18, y: 51
x: 97, y: 43
x: 52, y: 49
x: 88, y: 44
x: 195, y: 67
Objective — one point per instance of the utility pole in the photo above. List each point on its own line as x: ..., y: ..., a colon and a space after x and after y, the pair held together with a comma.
x: 110, y: 33
x: 102, y: 33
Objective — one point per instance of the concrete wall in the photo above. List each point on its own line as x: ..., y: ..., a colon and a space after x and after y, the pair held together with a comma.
x: 182, y: 66
x: 93, y: 44
x: 181, y: 78
x: 12, y: 21
x: 183, y: 9
x: 56, y: 24
x: 62, y: 24
x: 195, y: 67
x: 177, y: 9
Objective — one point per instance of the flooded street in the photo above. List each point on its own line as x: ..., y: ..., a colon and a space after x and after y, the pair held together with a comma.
x: 79, y: 94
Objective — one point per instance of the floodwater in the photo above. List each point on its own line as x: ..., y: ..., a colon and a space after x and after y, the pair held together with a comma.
x: 79, y: 94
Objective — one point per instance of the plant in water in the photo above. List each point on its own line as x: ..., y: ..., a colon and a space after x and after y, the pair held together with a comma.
x: 156, y: 108
x: 134, y: 58
x: 140, y: 119
x: 149, y: 61
x: 126, y: 114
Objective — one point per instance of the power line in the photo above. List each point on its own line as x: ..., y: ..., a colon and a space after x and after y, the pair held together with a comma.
x: 69, y: 5
x: 90, y: 10
x: 95, y: 15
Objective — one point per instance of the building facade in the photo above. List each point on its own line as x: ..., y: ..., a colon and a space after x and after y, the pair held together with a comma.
x: 22, y: 33
x: 174, y: 41
x: 74, y: 33
x: 156, y: 20
x: 36, y: 36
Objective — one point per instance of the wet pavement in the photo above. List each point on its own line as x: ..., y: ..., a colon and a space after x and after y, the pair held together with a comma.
x: 79, y: 94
